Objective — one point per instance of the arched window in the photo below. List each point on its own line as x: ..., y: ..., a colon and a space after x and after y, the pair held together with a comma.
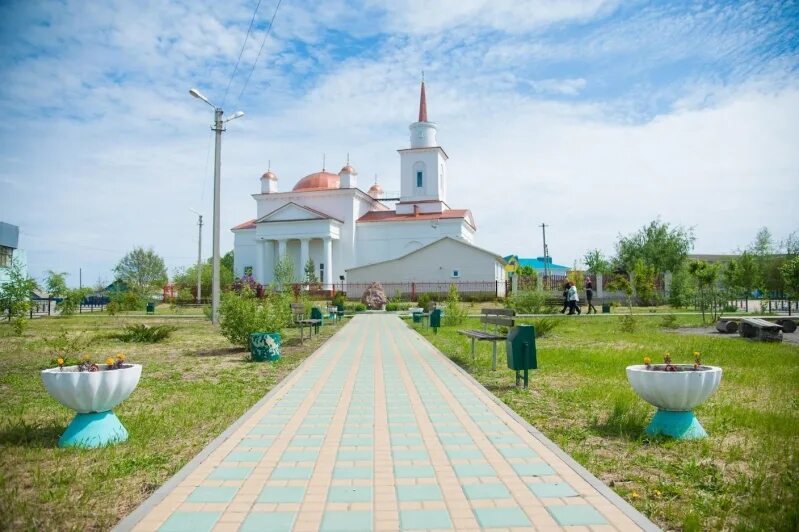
x: 419, y: 178
x: 418, y: 172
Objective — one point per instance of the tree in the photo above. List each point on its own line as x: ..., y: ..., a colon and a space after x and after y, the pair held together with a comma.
x: 596, y: 262
x: 284, y: 272
x: 72, y: 299
x: 185, y: 279
x: 310, y: 271
x: 644, y: 282
x: 142, y: 269
x: 226, y: 261
x: 790, y: 275
x: 705, y: 276
x: 454, y: 311
x: 528, y: 278
x: 56, y: 284
x: 658, y: 245
x: 15, y: 296
x: 681, y: 291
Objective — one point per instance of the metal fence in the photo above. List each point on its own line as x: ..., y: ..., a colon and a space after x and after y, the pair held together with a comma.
x: 412, y: 290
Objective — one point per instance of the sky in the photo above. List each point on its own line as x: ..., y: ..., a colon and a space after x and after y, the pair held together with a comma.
x: 592, y: 116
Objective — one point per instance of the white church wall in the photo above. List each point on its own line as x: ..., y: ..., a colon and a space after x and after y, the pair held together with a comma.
x: 435, y: 263
x: 430, y: 161
x: 379, y: 241
x: 243, y: 250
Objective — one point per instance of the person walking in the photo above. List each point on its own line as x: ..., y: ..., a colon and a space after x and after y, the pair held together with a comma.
x: 589, y: 294
x: 565, y: 297
x: 574, y: 300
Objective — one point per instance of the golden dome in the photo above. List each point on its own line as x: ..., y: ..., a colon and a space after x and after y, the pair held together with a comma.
x: 269, y: 175
x: 318, y: 181
x: 348, y: 169
x: 375, y: 191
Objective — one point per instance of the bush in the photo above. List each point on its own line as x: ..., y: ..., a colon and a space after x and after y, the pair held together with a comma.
x: 339, y: 300
x: 454, y: 311
x: 628, y: 323
x: 669, y: 321
x: 145, y: 334
x: 355, y: 307
x: 424, y: 299
x: 526, y: 302
x: 243, y: 314
x: 72, y: 300
x: 544, y: 326
x: 129, y: 300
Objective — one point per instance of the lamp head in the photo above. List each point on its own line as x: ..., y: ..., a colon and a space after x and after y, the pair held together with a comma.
x: 237, y: 114
x: 197, y: 94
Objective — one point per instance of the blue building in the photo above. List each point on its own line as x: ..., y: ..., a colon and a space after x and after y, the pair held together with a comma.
x: 538, y: 264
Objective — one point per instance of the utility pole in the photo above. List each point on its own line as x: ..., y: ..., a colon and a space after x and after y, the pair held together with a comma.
x: 546, y: 254
x: 80, y: 278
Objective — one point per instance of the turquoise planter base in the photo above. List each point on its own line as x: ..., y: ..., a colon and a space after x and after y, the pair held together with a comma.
x: 92, y: 430
x: 679, y: 425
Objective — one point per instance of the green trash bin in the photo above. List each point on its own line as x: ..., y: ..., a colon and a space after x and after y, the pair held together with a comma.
x: 605, y: 308
x: 521, y: 351
x: 417, y: 317
x: 316, y: 314
x: 265, y: 346
x: 150, y: 308
x: 435, y: 319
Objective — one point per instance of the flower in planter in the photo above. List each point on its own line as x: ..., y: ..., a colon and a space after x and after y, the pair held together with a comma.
x: 697, y: 361
x: 647, y: 362
x: 667, y: 362
x: 60, y: 362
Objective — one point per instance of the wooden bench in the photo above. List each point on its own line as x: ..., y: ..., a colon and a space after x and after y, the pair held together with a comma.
x: 298, y: 314
x: 497, y: 317
x: 760, y: 329
x: 730, y: 324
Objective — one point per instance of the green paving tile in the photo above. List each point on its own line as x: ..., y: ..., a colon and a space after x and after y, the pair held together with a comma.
x: 517, y: 452
x: 486, y: 491
x: 299, y: 456
x: 230, y: 473
x: 190, y: 522
x: 271, y: 521
x: 455, y: 439
x: 406, y: 440
x: 457, y: 454
x: 576, y: 514
x: 552, y: 489
x: 358, y: 430
x: 418, y: 492
x: 249, y: 456
x: 350, y: 440
x: 266, y: 429
x: 312, y: 430
x: 291, y: 473
x: 340, y: 473
x: 504, y: 438
x: 501, y: 517
x: 349, y: 494
x: 474, y: 470
x: 424, y: 519
x: 282, y: 494
x: 355, y: 455
x: 535, y: 469
x: 212, y: 494
x: 413, y: 471
x: 401, y: 454
x: 346, y: 521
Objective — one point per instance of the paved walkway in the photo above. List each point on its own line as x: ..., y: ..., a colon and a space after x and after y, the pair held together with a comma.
x: 379, y: 431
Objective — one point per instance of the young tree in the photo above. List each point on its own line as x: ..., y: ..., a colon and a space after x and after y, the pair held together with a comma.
x: 284, y: 272
x: 644, y: 282
x: 596, y: 262
x: 681, y: 291
x: 658, y: 245
x: 310, y: 271
x: 142, y: 269
x: 15, y: 296
x: 56, y: 284
x: 528, y: 278
x: 705, y: 276
x: 790, y: 275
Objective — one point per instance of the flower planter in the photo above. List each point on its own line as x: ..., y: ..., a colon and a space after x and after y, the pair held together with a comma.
x: 675, y: 394
x: 265, y: 346
x: 92, y: 395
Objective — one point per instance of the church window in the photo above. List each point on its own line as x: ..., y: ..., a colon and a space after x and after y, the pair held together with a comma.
x: 6, y: 254
x: 419, y: 180
x: 456, y: 273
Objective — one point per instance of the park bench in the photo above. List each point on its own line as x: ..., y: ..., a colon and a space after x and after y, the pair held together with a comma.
x: 730, y: 324
x: 298, y: 314
x: 497, y: 317
x: 333, y: 313
x: 760, y: 329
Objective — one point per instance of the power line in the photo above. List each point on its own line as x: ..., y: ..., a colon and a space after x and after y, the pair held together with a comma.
x: 241, y: 52
x: 263, y: 42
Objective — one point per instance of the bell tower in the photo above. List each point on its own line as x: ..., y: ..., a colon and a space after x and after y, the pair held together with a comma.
x: 423, y: 167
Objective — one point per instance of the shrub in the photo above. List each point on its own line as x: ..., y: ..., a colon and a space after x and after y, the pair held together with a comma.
x: 628, y: 323
x: 128, y: 300
x: 145, y: 334
x: 355, y: 307
x: 243, y: 314
x: 669, y: 321
x: 544, y: 326
x: 72, y: 300
x: 424, y: 299
x: 526, y: 302
x: 339, y: 300
x: 454, y: 311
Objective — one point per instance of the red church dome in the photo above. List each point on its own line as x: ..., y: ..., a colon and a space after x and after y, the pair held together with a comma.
x: 318, y: 181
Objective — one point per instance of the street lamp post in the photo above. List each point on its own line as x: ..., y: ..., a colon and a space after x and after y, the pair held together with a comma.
x: 218, y: 128
x: 199, y: 255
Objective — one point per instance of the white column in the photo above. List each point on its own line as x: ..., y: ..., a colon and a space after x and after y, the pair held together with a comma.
x: 303, y: 257
x: 281, y: 248
x: 328, y: 254
x: 258, y: 267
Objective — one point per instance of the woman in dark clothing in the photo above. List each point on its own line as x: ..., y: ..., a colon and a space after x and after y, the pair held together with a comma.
x: 565, y: 297
x: 589, y: 294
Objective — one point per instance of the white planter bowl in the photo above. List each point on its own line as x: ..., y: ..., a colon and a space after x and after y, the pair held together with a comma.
x: 96, y: 391
x: 674, y: 390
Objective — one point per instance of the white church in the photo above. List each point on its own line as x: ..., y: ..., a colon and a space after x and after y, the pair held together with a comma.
x: 356, y: 235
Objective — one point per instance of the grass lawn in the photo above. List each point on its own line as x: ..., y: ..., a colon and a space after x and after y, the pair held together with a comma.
x: 745, y: 475
x: 193, y: 386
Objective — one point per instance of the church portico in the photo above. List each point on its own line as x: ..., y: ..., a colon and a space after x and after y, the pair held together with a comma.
x: 268, y: 251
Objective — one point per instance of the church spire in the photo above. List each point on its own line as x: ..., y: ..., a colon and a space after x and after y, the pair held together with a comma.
x: 422, y: 105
